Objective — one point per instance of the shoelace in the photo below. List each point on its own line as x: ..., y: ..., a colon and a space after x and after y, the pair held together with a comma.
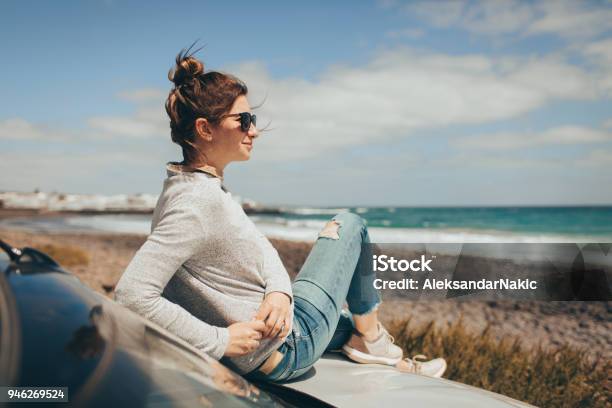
x: 415, y: 363
x: 390, y: 337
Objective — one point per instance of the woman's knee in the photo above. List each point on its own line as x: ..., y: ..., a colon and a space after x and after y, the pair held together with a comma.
x: 343, y: 221
x: 349, y: 217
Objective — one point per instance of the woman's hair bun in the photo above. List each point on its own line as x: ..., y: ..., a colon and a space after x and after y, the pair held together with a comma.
x: 186, y: 69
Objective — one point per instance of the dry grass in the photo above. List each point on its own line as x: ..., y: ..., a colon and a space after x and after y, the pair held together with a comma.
x: 559, y: 378
x: 66, y: 256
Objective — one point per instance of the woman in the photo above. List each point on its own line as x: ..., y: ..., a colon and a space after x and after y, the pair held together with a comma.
x: 208, y: 275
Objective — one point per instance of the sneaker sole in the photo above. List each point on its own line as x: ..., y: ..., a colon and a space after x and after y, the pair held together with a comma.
x: 364, y: 358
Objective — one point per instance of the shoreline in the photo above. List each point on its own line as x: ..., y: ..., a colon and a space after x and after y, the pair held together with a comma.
x: 297, y: 230
x: 6, y: 213
x: 44, y: 212
x: 549, y: 324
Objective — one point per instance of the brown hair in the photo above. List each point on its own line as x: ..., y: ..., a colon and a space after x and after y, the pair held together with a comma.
x: 197, y: 94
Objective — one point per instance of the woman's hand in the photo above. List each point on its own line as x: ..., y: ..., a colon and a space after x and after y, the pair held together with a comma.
x: 244, y: 337
x: 275, y: 311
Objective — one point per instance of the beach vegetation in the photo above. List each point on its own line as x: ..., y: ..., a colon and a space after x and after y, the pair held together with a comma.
x: 562, y: 377
x: 65, y: 255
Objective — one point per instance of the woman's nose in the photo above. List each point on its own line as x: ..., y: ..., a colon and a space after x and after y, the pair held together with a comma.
x: 253, y: 132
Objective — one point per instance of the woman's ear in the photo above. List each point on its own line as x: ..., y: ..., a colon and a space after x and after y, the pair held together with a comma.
x: 203, y: 129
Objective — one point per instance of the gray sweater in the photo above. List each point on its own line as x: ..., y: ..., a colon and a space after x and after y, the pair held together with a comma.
x: 203, y: 267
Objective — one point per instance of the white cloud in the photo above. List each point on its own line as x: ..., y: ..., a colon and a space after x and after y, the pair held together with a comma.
x: 573, y: 19
x: 563, y: 135
x: 485, y: 160
x: 600, y: 51
x: 597, y: 158
x: 441, y: 13
x: 103, y: 172
x: 146, y: 122
x: 405, y: 33
x: 21, y: 129
x: 400, y: 92
x: 555, y: 78
x: 396, y: 94
x: 143, y: 95
x: 483, y: 17
x: 565, y: 18
x: 599, y: 54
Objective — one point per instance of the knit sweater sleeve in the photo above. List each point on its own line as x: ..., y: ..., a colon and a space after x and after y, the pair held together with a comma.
x: 179, y: 235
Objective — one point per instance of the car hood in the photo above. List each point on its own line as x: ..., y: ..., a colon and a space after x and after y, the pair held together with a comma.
x: 343, y: 384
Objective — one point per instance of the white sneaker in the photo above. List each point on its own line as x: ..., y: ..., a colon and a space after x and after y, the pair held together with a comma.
x: 380, y: 351
x: 432, y: 368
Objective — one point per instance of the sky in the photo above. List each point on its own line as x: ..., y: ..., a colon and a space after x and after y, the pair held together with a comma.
x: 380, y: 103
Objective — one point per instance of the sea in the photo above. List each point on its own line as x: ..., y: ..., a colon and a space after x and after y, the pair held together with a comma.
x: 386, y: 224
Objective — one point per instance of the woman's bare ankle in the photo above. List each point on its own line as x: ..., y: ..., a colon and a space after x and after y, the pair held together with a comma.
x: 371, y: 334
x: 368, y: 326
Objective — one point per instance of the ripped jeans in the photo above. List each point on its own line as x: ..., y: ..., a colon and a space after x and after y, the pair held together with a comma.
x: 337, y: 269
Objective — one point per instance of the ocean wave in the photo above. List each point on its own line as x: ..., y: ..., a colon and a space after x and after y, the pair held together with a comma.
x: 317, y: 224
x: 314, y: 211
x: 308, y: 231
x: 114, y: 223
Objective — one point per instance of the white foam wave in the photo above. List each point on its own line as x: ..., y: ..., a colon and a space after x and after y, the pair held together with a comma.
x: 316, y: 224
x: 314, y: 211
x: 309, y: 231
x: 113, y: 223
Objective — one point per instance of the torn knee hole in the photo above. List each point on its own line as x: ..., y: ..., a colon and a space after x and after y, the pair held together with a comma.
x: 330, y: 230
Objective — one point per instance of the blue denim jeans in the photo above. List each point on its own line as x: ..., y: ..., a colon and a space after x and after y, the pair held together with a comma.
x: 338, y: 269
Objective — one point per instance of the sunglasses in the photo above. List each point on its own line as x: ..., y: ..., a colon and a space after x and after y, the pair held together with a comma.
x: 246, y: 118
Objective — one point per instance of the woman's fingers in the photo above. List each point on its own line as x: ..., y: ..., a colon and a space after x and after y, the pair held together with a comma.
x: 244, y: 337
x: 271, y: 323
x: 285, y: 332
x: 278, y: 327
x: 257, y: 325
x: 249, y: 346
x: 252, y: 345
x: 263, y: 312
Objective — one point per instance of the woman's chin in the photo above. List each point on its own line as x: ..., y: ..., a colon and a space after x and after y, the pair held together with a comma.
x: 246, y: 153
x: 244, y: 156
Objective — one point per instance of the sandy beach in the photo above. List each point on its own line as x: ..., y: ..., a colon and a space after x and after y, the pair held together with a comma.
x: 550, y: 324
